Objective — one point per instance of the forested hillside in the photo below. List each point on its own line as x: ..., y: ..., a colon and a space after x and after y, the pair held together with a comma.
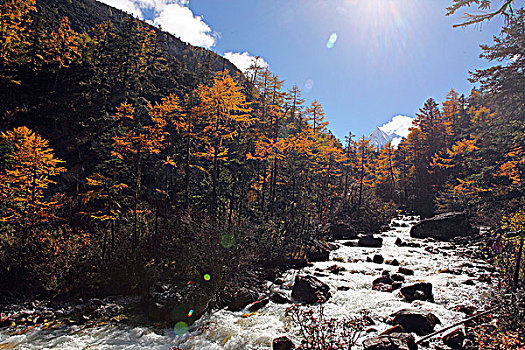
x: 128, y: 156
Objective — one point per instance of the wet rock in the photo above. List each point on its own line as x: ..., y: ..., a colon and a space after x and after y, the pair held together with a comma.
x: 309, y: 290
x: 282, y: 343
x: 259, y: 304
x: 343, y: 288
x: 382, y: 280
x: 390, y: 342
x: 401, y: 243
x: 370, y: 242
x: 444, y: 227
x: 469, y: 282
x: 279, y: 297
x: 169, y: 303
x: 416, y: 321
x: 406, y: 271
x: 396, y: 285
x: 397, y: 277
x: 241, y: 298
x: 349, y: 244
x: 383, y: 283
x: 454, y: 339
x: 393, y: 262
x: 394, y: 329
x: 320, y: 274
x: 318, y: 252
x: 343, y: 231
x: 419, y: 291
x: 335, y: 269
x: 378, y: 259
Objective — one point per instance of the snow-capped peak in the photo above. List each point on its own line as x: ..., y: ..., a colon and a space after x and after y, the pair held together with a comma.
x: 394, y: 131
x: 399, y: 125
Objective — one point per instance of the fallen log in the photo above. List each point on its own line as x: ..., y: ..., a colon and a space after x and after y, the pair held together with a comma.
x: 422, y: 339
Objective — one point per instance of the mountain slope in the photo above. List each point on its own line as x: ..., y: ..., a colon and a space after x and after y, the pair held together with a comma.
x: 85, y: 14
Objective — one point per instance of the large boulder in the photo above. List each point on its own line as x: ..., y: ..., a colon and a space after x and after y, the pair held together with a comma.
x: 370, y: 242
x: 343, y: 231
x: 444, y: 227
x: 308, y: 289
x: 241, y: 298
x: 318, y: 251
x: 169, y: 303
x: 395, y: 341
x: 419, y: 291
x: 454, y: 339
x: 282, y: 343
x: 416, y: 321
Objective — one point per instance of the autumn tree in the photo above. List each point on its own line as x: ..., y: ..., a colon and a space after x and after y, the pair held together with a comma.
x: 28, y: 173
x: 15, y: 20
x: 225, y: 114
x: 136, y: 143
x: 386, y: 177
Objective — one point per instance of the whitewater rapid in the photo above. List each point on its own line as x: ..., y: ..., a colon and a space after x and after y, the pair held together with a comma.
x: 351, y: 293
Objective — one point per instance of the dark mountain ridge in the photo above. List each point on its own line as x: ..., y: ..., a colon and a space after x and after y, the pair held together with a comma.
x: 86, y: 14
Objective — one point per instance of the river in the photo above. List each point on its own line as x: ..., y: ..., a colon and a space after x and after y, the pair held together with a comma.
x: 351, y: 293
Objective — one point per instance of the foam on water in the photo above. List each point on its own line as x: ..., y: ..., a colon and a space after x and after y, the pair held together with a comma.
x: 224, y: 329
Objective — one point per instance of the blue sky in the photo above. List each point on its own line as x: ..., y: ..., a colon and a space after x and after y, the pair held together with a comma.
x: 389, y: 56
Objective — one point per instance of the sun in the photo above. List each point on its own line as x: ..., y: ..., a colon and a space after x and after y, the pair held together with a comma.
x: 383, y: 26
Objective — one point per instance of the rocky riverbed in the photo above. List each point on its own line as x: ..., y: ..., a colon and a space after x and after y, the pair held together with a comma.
x: 423, y: 275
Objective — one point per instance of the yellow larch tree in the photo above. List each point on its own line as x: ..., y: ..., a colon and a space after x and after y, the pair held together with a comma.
x: 30, y: 167
x: 224, y: 113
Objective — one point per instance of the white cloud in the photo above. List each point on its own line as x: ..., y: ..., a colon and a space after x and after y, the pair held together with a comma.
x: 399, y: 125
x: 244, y: 60
x: 174, y: 16
x: 179, y: 20
x: 129, y: 6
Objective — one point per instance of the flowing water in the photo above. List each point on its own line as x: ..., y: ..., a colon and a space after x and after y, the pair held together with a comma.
x: 224, y: 329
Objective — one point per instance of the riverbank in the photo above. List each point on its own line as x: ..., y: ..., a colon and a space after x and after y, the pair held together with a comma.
x: 460, y: 283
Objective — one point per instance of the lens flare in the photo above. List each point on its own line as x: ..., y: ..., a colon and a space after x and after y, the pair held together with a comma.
x: 207, y: 277
x: 331, y: 41
x: 309, y: 84
x: 190, y: 313
x: 227, y: 240
x: 180, y: 328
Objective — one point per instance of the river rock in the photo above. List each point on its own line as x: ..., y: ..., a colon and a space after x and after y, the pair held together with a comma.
x: 317, y: 251
x: 279, y: 297
x: 416, y: 321
x: 419, y: 291
x: 394, y: 341
x: 336, y: 269
x: 454, y: 339
x: 259, y: 304
x: 370, y: 242
x: 282, y: 343
x: 444, y: 227
x: 397, y: 277
x: 378, y: 259
x: 405, y: 271
x: 168, y: 303
x: 308, y: 289
x: 343, y: 231
x: 241, y: 298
